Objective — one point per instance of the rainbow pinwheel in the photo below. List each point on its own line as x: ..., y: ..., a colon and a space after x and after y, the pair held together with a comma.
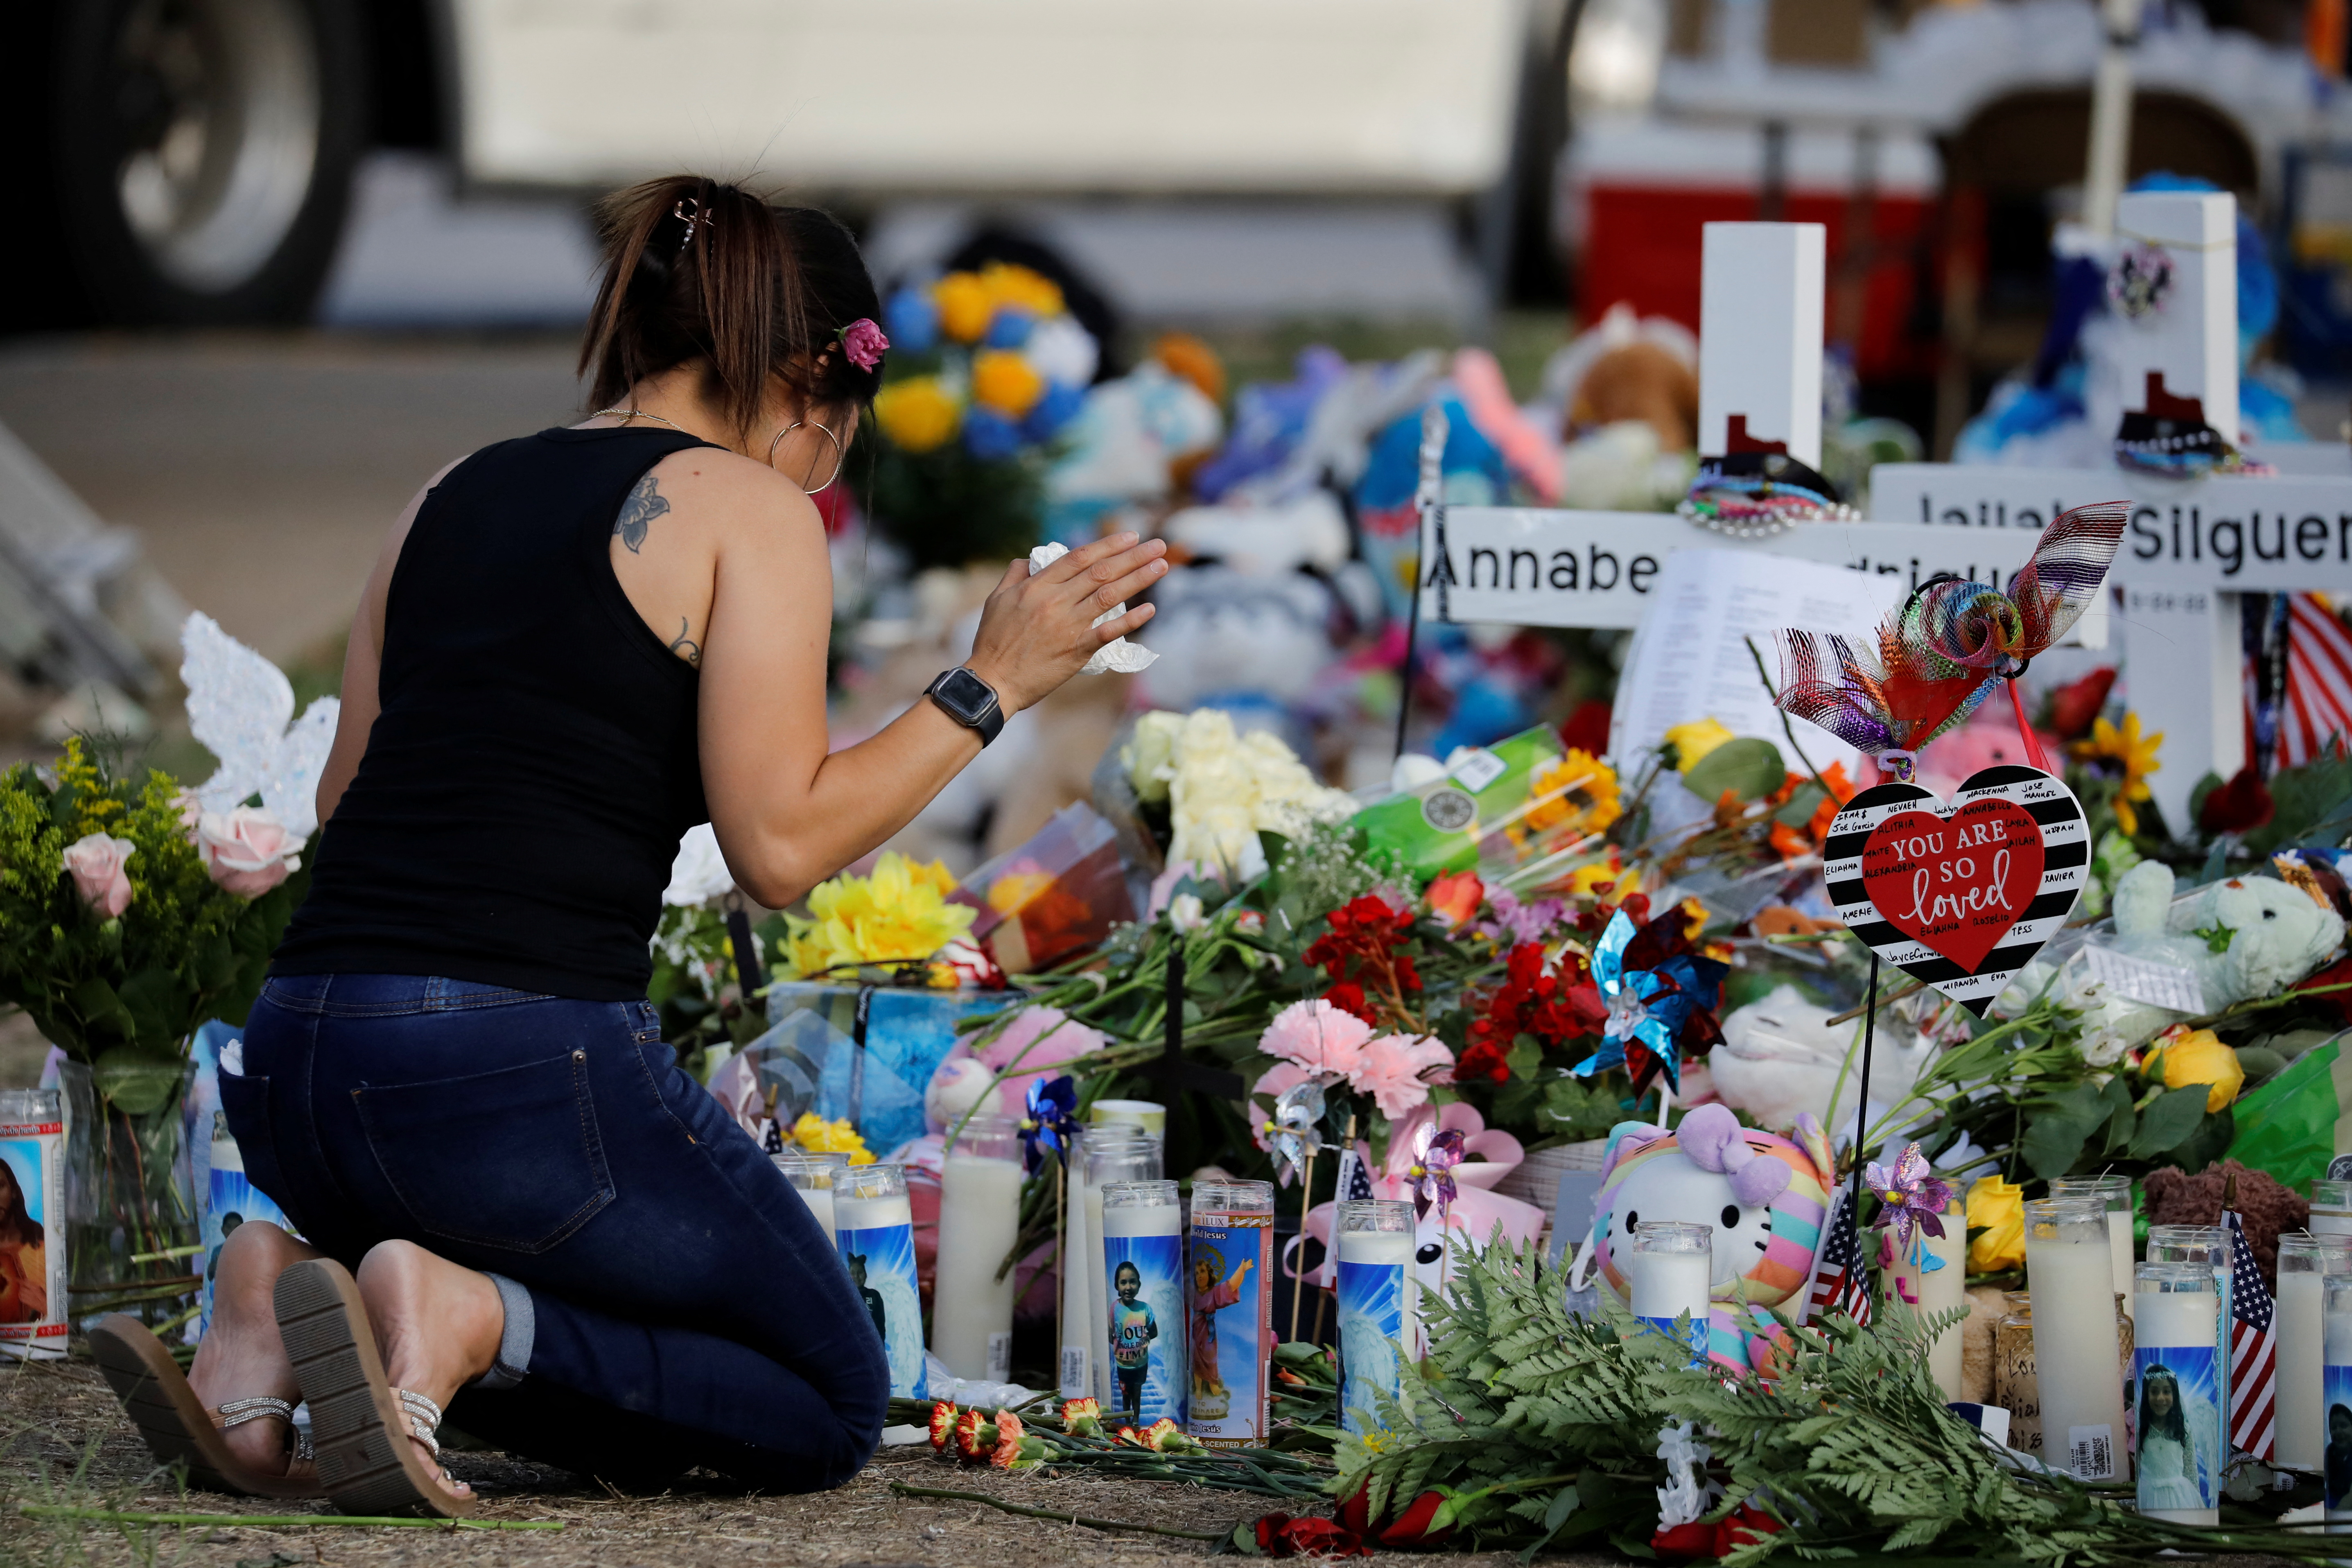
x: 1048, y: 1120
x: 1293, y: 1132
x: 1435, y: 1155
x: 1661, y: 994
x: 1912, y: 1200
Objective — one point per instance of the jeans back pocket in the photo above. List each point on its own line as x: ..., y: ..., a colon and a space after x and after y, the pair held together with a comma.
x: 507, y: 1159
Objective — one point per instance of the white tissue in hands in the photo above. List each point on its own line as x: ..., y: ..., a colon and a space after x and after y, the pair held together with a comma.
x: 1119, y: 654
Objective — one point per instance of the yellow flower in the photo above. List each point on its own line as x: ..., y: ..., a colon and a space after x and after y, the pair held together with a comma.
x: 1998, y: 1207
x: 1579, y: 791
x: 900, y: 911
x: 1006, y: 381
x: 1609, y: 877
x: 916, y: 415
x: 965, y: 306
x: 818, y: 1136
x: 1695, y: 740
x: 2198, y: 1056
x: 1006, y: 284
x: 2127, y: 754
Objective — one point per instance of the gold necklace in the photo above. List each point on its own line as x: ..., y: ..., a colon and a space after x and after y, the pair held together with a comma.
x: 636, y: 414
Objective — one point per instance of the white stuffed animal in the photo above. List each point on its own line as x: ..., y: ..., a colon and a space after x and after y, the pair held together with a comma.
x: 1781, y: 1057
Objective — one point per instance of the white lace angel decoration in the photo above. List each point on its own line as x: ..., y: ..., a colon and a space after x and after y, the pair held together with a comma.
x: 241, y: 708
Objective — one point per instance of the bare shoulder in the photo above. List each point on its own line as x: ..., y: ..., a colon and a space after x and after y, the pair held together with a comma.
x: 719, y: 491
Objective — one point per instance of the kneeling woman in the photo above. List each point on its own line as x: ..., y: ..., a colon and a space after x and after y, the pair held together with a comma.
x: 575, y: 645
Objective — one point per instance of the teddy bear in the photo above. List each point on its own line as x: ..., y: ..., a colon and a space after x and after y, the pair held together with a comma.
x: 1766, y: 1197
x: 2239, y: 938
x: 1781, y: 1056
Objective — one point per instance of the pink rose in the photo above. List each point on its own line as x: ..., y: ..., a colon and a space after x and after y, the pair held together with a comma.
x: 248, y: 851
x: 96, y: 865
x: 191, y: 810
x: 863, y: 342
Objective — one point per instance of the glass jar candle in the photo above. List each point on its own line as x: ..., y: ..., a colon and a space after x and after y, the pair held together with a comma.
x: 874, y: 1229
x: 2075, y: 1346
x: 1930, y: 1292
x: 2015, y: 1387
x: 2304, y: 1262
x: 1111, y: 1152
x: 2331, y: 1207
x: 1150, y: 1115
x: 1670, y: 1273
x: 2336, y: 1396
x: 33, y: 1317
x: 1144, y: 1281
x: 980, y: 1222
x: 2176, y: 1433
x: 2113, y: 1195
x: 811, y: 1176
x: 1229, y: 1298
x: 1378, y: 1306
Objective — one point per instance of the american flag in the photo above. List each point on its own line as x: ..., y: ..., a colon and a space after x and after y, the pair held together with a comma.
x: 1840, y: 1283
x: 2316, y: 715
x: 2253, y: 1348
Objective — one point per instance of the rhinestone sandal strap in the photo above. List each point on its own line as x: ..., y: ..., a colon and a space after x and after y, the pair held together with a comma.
x: 238, y: 1411
x: 423, y: 1418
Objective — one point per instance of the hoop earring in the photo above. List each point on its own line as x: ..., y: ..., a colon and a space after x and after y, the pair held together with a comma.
x: 838, y: 456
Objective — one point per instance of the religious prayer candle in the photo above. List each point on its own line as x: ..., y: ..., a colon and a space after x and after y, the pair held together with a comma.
x: 1671, y: 1270
x: 1109, y: 1153
x: 2208, y: 1245
x: 1231, y: 1301
x: 1931, y: 1292
x: 2335, y: 1396
x: 32, y: 1153
x: 980, y: 1221
x: 2076, y: 1345
x: 811, y: 1176
x: 1143, y: 1280
x: 875, y: 1232
x: 2115, y: 1195
x: 1377, y: 1306
x: 2331, y: 1207
x: 2304, y: 1261
x: 2176, y: 1452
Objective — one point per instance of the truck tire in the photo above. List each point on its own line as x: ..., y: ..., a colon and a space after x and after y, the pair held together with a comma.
x: 200, y: 153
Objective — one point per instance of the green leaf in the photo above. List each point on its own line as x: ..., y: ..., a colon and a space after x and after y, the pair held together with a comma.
x: 1749, y: 767
x: 103, y: 1011
x: 1525, y: 1057
x: 2217, y: 936
x: 2052, y: 1144
x: 2170, y: 1120
x: 135, y: 1081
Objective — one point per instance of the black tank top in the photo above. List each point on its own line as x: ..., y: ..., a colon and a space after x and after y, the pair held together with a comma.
x: 520, y: 800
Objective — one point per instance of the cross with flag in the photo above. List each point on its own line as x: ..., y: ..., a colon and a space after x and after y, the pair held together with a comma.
x: 1841, y: 1284
x: 2253, y: 1348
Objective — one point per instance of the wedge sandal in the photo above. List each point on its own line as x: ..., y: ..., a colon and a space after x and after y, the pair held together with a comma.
x: 360, y: 1423
x: 156, y: 1395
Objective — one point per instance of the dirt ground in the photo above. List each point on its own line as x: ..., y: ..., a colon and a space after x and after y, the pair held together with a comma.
x: 62, y: 1440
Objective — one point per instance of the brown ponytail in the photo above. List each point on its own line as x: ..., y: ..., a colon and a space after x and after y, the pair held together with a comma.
x: 698, y: 270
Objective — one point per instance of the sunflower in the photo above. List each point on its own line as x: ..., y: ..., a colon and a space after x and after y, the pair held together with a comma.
x: 2123, y: 754
x: 1580, y: 791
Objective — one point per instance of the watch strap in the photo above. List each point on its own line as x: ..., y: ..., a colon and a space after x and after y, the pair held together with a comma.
x: 989, y: 721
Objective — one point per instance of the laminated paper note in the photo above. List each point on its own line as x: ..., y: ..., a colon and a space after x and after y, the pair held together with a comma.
x: 1119, y: 654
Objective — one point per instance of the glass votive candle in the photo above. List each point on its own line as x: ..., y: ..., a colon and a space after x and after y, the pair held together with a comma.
x: 1104, y: 1152
x: 2335, y: 1396
x: 2304, y: 1261
x: 2331, y: 1207
x: 1230, y: 1292
x: 2076, y: 1342
x: 1143, y: 1283
x: 1931, y: 1292
x: 1671, y: 1273
x: 874, y: 1228
x: 2115, y: 1194
x: 1149, y: 1115
x: 811, y: 1176
x: 980, y: 1221
x: 33, y: 1125
x: 2177, y: 1379
x: 1377, y: 1305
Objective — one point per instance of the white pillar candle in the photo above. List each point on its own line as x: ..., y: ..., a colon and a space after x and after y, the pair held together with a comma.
x: 1932, y: 1292
x: 2176, y: 1379
x: 1079, y: 1318
x: 1109, y: 1152
x: 2075, y: 1346
x: 1377, y: 1306
x: 980, y: 1220
x: 811, y: 1176
x: 2115, y: 1195
x: 1670, y: 1271
x: 1143, y: 1282
x: 2336, y: 1398
x: 2303, y: 1263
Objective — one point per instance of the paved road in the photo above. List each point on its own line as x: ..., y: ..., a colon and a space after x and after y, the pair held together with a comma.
x: 262, y: 470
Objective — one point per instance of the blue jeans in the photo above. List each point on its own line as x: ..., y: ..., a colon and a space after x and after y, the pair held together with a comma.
x: 671, y: 1302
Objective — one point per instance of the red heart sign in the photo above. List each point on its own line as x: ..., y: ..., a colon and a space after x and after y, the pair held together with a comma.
x: 1955, y: 884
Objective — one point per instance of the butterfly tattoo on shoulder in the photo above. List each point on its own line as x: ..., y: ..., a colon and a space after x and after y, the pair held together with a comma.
x: 644, y: 503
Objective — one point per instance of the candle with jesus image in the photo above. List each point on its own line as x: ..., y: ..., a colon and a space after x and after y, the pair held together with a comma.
x: 1231, y: 1300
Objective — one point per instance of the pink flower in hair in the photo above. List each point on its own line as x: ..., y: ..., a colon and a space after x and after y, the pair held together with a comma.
x: 863, y: 342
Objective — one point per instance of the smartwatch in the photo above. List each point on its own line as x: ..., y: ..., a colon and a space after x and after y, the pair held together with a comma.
x: 969, y: 701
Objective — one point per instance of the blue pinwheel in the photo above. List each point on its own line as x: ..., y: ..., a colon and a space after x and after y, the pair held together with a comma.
x: 1049, y: 1120
x: 1661, y: 994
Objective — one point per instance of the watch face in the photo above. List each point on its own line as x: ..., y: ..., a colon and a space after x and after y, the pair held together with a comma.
x: 965, y: 695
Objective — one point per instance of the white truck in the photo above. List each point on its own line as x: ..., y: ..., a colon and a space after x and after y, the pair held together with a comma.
x: 191, y: 159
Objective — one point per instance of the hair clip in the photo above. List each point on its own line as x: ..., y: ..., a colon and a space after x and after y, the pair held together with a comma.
x: 688, y: 211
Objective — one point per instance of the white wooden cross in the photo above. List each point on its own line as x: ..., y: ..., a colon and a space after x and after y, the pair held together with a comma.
x: 2191, y: 548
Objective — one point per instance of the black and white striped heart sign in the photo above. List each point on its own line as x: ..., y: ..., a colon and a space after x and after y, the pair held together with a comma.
x: 1950, y: 893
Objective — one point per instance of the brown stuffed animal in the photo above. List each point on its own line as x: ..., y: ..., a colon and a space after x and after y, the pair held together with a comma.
x: 1641, y: 381
x: 2175, y: 1197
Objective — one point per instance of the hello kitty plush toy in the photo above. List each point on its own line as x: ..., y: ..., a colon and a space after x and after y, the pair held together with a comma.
x: 1766, y: 1197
